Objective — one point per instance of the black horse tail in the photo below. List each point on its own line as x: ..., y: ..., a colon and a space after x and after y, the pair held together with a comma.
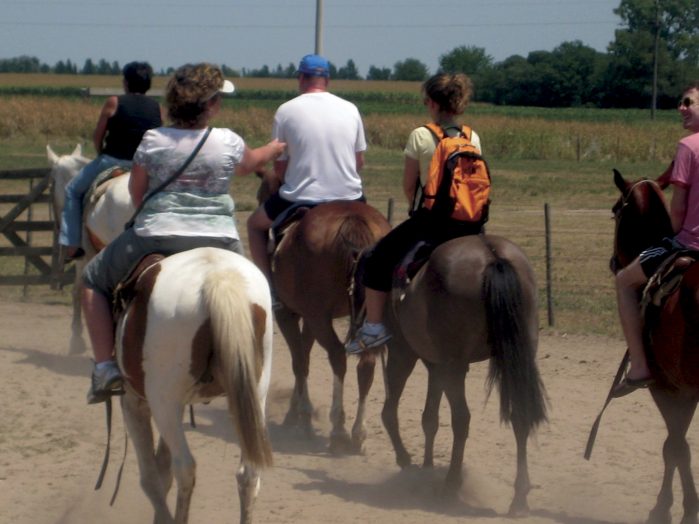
x: 512, y: 364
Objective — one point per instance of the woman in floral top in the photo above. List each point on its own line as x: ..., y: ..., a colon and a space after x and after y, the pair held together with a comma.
x: 194, y: 210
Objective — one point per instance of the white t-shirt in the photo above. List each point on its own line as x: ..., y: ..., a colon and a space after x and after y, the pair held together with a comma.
x: 196, y: 203
x: 323, y: 133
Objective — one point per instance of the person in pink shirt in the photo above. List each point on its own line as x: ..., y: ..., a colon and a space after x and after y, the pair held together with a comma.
x: 684, y: 213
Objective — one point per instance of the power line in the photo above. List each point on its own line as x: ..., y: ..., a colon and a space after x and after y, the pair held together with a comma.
x: 304, y: 26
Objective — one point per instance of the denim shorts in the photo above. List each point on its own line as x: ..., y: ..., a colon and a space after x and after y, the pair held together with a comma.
x: 120, y: 257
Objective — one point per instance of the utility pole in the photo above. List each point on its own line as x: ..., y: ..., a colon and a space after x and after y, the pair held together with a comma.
x: 319, y: 27
x: 654, y: 101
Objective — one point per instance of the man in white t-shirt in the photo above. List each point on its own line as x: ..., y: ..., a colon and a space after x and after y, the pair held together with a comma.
x: 325, y: 152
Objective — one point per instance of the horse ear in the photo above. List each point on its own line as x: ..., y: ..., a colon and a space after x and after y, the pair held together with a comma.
x: 53, y: 157
x: 619, y: 181
x: 78, y: 151
x: 664, y: 179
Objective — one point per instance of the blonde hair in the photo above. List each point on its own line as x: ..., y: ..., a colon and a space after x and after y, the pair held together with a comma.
x: 189, y: 90
x: 451, y: 93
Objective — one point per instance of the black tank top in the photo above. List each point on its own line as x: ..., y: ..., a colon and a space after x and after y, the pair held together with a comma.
x: 135, y: 115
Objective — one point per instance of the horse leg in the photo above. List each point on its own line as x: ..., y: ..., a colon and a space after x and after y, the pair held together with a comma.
x: 77, y: 342
x: 365, y: 379
x: 163, y: 459
x: 430, y: 418
x: 322, y: 329
x: 137, y: 419
x: 400, y: 364
x: 677, y: 411
x: 168, y: 419
x: 248, y: 486
x: 454, y: 388
x: 519, y: 506
x: 300, y: 343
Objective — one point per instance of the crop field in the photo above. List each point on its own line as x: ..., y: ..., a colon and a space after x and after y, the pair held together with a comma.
x: 560, y: 158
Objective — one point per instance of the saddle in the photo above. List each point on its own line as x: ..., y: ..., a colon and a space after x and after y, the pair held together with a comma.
x: 417, y: 257
x: 662, y: 284
x: 127, y: 288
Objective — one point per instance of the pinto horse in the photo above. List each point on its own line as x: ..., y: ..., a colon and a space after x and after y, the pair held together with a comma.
x: 199, y: 326
x: 474, y: 299
x: 104, y: 216
x: 312, y: 272
x: 642, y: 220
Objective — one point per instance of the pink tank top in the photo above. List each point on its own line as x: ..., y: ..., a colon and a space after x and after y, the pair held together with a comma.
x: 686, y: 174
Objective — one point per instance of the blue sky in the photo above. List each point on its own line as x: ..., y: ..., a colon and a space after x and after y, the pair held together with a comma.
x: 253, y: 33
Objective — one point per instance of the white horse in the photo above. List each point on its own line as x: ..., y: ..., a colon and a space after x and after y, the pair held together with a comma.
x: 199, y: 326
x: 104, y: 216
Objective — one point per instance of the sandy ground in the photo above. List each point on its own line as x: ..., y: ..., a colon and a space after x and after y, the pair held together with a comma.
x: 52, y: 443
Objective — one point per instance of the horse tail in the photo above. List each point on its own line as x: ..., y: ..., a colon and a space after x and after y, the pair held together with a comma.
x: 237, y: 326
x: 353, y: 235
x: 512, y: 365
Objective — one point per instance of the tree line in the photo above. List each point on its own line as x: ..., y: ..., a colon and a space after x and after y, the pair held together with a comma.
x: 654, y: 55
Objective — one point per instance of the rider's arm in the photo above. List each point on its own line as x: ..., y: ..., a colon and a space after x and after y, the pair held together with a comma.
x: 411, y: 178
x: 678, y: 206
x: 359, y: 156
x: 254, y: 158
x: 108, y: 110
x: 138, y: 184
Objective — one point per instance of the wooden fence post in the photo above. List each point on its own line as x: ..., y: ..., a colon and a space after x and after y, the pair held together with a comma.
x: 549, y: 285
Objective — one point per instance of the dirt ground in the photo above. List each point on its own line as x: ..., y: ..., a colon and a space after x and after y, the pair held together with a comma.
x: 52, y: 443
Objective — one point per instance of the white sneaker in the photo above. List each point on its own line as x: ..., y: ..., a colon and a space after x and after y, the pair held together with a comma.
x: 364, y: 339
x: 106, y: 381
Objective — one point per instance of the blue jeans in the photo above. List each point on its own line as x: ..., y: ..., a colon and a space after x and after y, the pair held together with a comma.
x: 71, y: 218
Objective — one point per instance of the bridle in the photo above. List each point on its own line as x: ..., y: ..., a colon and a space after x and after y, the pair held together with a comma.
x: 617, y: 212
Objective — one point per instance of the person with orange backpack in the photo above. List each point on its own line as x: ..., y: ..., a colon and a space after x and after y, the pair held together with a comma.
x: 443, y: 159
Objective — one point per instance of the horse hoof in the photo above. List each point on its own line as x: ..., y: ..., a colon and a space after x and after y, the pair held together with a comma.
x: 660, y: 516
x: 518, y: 510
x: 341, y: 445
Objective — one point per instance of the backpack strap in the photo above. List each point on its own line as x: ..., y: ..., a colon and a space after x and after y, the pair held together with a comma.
x: 439, y: 132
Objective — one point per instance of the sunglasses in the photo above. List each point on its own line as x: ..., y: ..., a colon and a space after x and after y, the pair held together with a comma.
x: 686, y: 102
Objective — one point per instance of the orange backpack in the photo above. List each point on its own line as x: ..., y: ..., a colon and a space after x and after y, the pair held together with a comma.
x: 458, y: 180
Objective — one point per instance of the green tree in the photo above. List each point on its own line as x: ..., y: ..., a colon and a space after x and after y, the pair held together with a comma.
x: 658, y: 37
x: 470, y: 60
x: 88, y: 68
x: 410, y: 69
x: 376, y: 73
x: 349, y: 71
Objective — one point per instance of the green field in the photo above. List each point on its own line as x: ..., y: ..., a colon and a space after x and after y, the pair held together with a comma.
x: 563, y: 158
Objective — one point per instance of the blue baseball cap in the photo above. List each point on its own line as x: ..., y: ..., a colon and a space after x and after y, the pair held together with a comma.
x: 314, y: 65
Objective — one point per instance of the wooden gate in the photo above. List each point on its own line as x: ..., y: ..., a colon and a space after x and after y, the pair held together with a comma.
x: 31, y: 214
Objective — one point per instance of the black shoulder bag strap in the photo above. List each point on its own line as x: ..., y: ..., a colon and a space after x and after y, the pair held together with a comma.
x: 171, y: 178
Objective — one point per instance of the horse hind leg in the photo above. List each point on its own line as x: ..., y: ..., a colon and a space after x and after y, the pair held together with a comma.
x: 137, y: 419
x: 677, y: 413
x: 168, y: 419
x: 365, y: 379
x: 430, y: 418
x: 322, y: 329
x: 519, y: 506
x: 454, y: 390
x: 300, y: 341
x: 399, y: 366
x: 248, y: 487
x: 77, y: 342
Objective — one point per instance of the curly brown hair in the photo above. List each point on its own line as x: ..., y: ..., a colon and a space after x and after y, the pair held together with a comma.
x: 450, y: 92
x: 189, y: 90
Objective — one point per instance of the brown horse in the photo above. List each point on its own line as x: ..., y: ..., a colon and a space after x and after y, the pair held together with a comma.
x: 474, y: 299
x: 642, y: 220
x: 312, y: 271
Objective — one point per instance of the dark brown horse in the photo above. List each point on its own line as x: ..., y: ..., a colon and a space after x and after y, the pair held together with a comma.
x: 474, y: 299
x: 642, y: 219
x: 312, y: 271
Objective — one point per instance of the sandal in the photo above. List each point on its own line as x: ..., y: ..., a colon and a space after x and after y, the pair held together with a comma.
x: 629, y: 385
